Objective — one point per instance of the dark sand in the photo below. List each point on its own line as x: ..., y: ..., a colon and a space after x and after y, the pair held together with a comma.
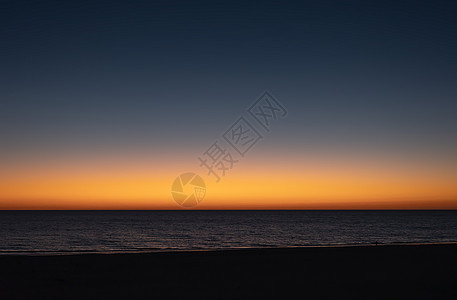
x: 371, y: 272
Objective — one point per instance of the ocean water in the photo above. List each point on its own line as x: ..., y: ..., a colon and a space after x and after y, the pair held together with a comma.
x: 57, y: 232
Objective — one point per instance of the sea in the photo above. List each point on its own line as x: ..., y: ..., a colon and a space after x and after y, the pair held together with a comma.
x: 75, y: 232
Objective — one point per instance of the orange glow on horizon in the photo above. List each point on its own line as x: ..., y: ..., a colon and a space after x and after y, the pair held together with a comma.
x: 253, y: 185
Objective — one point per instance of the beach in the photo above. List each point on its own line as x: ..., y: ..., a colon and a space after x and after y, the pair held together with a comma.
x: 356, y: 272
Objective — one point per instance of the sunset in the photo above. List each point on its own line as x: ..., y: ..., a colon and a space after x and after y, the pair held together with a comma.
x: 312, y: 180
x: 228, y: 150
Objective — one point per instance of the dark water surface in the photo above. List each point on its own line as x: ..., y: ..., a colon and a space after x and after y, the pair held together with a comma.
x: 38, y: 232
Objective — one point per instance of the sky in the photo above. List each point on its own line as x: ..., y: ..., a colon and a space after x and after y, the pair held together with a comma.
x: 105, y: 103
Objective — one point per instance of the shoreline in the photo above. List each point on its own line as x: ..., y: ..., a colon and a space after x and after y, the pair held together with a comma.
x: 358, y: 272
x: 9, y: 253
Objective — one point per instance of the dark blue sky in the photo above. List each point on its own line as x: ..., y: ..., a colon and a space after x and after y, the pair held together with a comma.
x: 363, y: 76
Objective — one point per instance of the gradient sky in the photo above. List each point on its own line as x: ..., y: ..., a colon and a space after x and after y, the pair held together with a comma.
x: 104, y: 103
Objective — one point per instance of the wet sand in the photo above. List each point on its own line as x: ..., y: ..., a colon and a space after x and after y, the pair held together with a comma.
x: 369, y: 272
